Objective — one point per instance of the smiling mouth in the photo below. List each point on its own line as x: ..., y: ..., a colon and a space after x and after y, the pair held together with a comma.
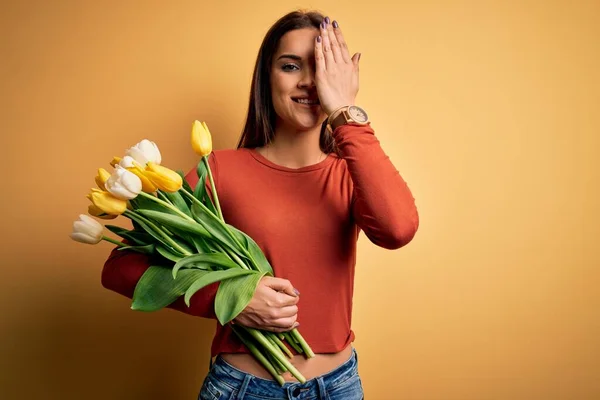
x: 306, y: 101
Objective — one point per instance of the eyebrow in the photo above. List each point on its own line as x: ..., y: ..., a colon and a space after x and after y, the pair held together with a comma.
x: 292, y: 56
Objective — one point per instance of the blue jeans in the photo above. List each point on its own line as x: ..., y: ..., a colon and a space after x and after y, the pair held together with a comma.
x: 225, y: 382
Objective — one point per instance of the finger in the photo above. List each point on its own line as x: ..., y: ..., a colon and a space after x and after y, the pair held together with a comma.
x: 327, y: 54
x: 281, y: 285
x: 320, y: 66
x: 286, y: 312
x: 356, y: 59
x: 284, y: 323
x: 341, y: 42
x: 284, y: 300
x: 335, y: 47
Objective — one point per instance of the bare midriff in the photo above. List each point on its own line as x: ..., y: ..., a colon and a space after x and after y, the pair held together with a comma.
x: 309, y: 368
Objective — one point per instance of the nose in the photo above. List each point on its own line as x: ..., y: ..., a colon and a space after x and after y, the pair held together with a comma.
x: 307, y: 79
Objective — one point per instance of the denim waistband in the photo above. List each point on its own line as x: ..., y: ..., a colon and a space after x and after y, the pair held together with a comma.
x: 246, y: 383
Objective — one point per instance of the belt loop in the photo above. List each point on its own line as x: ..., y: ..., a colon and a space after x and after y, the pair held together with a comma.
x: 242, y: 391
x: 322, y: 392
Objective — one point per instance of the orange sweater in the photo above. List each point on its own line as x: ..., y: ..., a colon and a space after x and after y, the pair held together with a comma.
x: 307, y: 222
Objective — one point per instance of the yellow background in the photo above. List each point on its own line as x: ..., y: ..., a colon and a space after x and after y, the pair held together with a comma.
x: 490, y: 111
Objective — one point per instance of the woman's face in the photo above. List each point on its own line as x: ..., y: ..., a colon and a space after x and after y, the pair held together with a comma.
x: 293, y: 77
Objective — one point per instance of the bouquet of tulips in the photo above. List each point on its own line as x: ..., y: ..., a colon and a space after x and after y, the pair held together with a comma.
x: 191, y: 244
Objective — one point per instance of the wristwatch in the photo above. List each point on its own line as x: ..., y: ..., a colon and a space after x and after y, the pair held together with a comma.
x: 346, y: 114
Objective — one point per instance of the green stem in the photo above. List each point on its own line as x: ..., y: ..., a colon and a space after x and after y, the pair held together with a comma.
x: 232, y: 256
x: 296, y: 335
x: 222, y: 223
x: 213, y: 188
x: 120, y: 244
x: 280, y: 368
x: 254, y: 350
x: 168, y: 205
x: 276, y: 353
x: 275, y: 339
x: 292, y: 342
x: 158, y: 230
x: 163, y: 197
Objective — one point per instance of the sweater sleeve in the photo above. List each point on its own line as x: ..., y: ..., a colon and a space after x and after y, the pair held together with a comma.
x: 382, y: 204
x: 123, y: 269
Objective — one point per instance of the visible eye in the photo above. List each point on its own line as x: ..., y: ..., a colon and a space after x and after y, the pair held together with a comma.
x: 285, y: 67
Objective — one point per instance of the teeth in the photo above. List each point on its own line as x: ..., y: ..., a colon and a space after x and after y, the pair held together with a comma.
x: 306, y: 101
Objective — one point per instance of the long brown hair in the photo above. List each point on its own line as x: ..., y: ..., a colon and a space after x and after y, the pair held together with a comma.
x: 259, y: 129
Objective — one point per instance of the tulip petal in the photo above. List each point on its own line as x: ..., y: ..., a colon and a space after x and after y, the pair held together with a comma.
x: 163, y: 178
x: 123, y: 184
x: 201, y: 139
x: 98, y: 213
x: 144, y: 152
x: 83, y: 238
x: 147, y: 185
x: 108, y: 203
x: 102, y: 177
x: 87, y: 230
x: 116, y: 160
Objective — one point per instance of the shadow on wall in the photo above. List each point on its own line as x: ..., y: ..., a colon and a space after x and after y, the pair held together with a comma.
x: 71, y: 344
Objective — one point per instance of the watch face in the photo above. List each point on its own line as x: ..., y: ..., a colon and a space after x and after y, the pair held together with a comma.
x: 358, y: 114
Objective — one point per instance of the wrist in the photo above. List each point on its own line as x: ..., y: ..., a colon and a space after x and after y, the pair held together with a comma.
x: 347, y: 114
x: 332, y: 116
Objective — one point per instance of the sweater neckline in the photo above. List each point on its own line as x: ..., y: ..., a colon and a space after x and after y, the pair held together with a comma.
x: 265, y: 161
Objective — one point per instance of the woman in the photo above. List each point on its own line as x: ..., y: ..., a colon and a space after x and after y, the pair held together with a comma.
x: 307, y: 176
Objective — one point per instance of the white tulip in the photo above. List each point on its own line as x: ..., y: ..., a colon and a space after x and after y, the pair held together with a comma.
x: 87, y: 230
x: 144, y: 152
x: 123, y: 184
x: 127, y: 162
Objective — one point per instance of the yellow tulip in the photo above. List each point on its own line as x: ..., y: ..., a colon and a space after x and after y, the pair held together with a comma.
x: 201, y: 139
x: 163, y: 178
x: 98, y: 213
x: 115, y: 161
x: 106, y: 202
x: 102, y: 177
x: 147, y: 185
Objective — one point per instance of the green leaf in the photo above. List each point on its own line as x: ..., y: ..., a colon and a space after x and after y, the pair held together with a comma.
x: 142, y: 202
x: 204, y: 261
x: 214, y: 226
x: 208, y: 202
x: 176, y: 222
x: 143, y: 225
x: 208, y: 198
x: 212, y: 277
x: 200, y: 244
x: 147, y: 249
x: 186, y: 185
x: 255, y: 251
x: 234, y: 295
x: 136, y: 237
x: 157, y: 289
x: 169, y: 253
x: 200, y: 189
x: 177, y: 200
x: 155, y: 234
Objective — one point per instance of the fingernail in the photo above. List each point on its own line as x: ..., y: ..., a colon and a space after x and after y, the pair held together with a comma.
x: 297, y: 292
x: 323, y: 25
x: 326, y: 20
x: 335, y: 24
x: 319, y: 38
